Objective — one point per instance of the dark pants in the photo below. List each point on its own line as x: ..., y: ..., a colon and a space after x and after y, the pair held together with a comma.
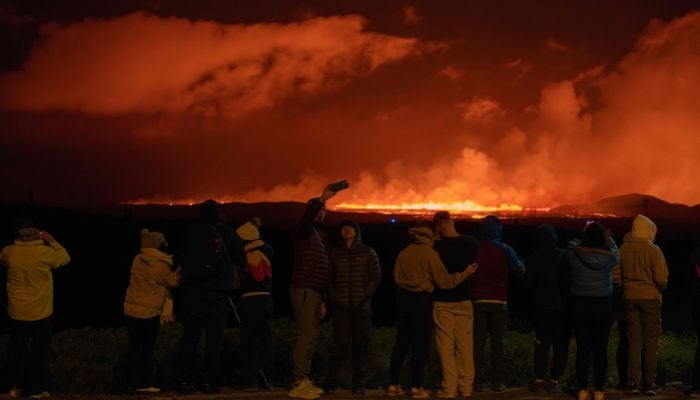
x: 142, y: 343
x: 490, y: 319
x: 696, y: 365
x: 414, y: 334
x: 38, y: 334
x: 351, y: 331
x: 256, y: 341
x: 643, y: 333
x: 211, y: 316
x: 622, y: 354
x: 550, y: 333
x: 592, y: 322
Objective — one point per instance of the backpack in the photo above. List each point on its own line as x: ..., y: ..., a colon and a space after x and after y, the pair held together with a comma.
x: 205, y: 252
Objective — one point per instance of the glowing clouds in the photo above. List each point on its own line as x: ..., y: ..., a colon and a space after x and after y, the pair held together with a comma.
x: 144, y: 64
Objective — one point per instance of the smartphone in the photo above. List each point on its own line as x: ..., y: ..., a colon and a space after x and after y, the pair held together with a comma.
x: 338, y: 186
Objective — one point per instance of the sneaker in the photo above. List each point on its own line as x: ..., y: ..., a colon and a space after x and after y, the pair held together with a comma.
x: 185, y: 388
x: 650, y: 390
x: 538, y: 386
x: 632, y: 388
x: 583, y: 394
x: 313, y: 388
x: 553, y: 387
x: 598, y: 395
x: 42, y: 395
x: 359, y: 391
x: 14, y: 393
x: 442, y: 394
x: 419, y: 393
x: 395, y: 391
x: 302, y: 390
x: 498, y: 388
x: 465, y: 393
x: 148, y: 390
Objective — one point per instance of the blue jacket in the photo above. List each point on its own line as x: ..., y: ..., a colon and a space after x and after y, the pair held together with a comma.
x: 591, y: 269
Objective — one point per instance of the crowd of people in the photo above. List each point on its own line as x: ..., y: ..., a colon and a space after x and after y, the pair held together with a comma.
x: 450, y: 286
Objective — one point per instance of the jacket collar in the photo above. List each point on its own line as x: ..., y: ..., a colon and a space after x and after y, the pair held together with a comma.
x: 37, y: 242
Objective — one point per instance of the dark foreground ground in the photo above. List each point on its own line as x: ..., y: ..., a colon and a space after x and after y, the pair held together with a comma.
x: 516, y: 394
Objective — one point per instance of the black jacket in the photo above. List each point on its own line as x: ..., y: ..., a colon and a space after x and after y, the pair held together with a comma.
x: 355, y: 274
x: 546, y: 274
x: 456, y: 253
x: 310, y: 267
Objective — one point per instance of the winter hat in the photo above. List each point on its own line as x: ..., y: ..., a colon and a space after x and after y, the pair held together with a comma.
x: 151, y: 239
x: 490, y: 228
x: 249, y: 231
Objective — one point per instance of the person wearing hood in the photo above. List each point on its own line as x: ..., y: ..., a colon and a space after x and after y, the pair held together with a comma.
x: 256, y: 302
x: 694, y: 275
x: 355, y: 276
x: 644, y: 276
x: 590, y: 262
x: 418, y: 272
x: 211, y: 255
x: 29, y: 263
x: 152, y: 276
x: 453, y: 313
x: 546, y: 279
x: 489, y: 289
x: 308, y: 286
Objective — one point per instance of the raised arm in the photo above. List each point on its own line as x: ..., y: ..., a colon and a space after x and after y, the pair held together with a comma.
x: 55, y: 256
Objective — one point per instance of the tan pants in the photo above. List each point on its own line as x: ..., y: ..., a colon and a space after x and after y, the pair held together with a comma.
x: 454, y: 323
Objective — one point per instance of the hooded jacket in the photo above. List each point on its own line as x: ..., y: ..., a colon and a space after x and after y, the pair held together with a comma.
x: 310, y: 267
x: 545, y: 275
x: 355, y: 272
x: 496, y: 261
x: 642, y: 263
x: 590, y: 269
x: 151, y: 277
x: 418, y: 267
x: 29, y: 280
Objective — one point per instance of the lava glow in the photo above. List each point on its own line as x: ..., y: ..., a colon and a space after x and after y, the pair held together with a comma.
x: 466, y: 206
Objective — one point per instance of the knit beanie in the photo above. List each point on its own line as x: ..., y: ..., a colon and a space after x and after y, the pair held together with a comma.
x: 151, y: 239
x: 249, y: 231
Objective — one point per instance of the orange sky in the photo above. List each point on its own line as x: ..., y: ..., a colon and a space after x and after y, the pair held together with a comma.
x: 412, y: 101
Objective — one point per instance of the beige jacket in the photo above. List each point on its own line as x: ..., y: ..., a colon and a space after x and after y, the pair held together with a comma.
x: 419, y: 268
x: 642, y: 264
x: 151, y: 277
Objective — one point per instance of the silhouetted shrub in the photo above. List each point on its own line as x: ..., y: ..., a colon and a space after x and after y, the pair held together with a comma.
x: 92, y: 361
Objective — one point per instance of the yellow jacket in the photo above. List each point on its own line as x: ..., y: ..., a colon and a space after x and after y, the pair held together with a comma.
x: 642, y: 264
x: 151, y: 277
x: 29, y: 280
x: 419, y: 267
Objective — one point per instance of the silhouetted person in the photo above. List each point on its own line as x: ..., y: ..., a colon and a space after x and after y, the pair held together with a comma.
x: 256, y: 303
x: 211, y: 252
x: 418, y: 271
x: 152, y: 276
x: 355, y: 276
x: 644, y: 277
x: 497, y: 263
x: 309, y: 283
x: 30, y: 262
x: 591, y: 261
x: 453, y: 313
x: 694, y: 274
x: 546, y: 279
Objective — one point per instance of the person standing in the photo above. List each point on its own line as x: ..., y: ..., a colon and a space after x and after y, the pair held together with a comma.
x: 355, y: 276
x: 256, y: 302
x: 497, y: 263
x: 694, y: 276
x: 644, y: 277
x: 453, y: 313
x: 591, y: 261
x: 152, y: 276
x: 30, y: 262
x: 545, y: 278
x: 309, y: 283
x: 418, y: 271
x: 212, y: 253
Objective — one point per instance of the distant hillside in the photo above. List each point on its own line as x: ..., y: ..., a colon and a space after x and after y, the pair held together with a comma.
x: 629, y: 205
